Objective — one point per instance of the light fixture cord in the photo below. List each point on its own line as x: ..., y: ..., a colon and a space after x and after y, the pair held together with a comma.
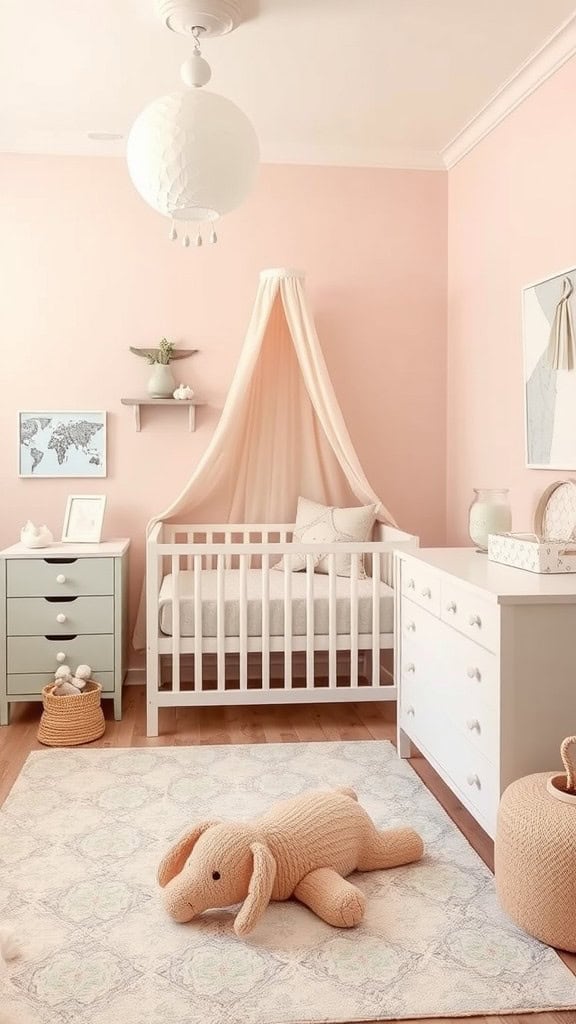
x: 196, y: 32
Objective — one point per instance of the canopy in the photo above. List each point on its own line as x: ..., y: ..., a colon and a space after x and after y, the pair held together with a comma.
x: 281, y: 433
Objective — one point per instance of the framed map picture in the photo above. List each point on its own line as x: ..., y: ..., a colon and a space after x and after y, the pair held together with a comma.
x: 66, y: 444
x: 548, y: 322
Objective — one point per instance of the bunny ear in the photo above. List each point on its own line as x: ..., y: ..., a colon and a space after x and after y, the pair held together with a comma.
x: 259, y: 890
x: 176, y: 858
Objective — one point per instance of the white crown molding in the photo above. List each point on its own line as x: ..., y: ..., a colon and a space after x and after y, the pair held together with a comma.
x: 558, y: 49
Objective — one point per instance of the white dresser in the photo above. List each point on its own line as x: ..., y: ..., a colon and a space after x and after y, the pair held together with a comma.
x: 66, y: 604
x: 486, y: 668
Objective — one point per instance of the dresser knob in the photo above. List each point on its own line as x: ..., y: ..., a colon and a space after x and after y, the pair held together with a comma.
x: 475, y: 620
x: 411, y: 584
x: 411, y: 667
x: 473, y: 725
x: 474, y: 673
x: 60, y: 617
x: 426, y: 592
x: 60, y: 578
x: 473, y: 780
x: 452, y: 607
x: 60, y: 656
x: 410, y: 711
x: 411, y: 626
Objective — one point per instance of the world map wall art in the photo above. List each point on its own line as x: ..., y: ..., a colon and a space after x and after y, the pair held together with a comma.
x: 549, y: 336
x: 65, y: 444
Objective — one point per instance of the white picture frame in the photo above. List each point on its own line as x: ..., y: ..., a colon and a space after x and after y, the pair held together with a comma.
x: 55, y: 444
x: 549, y: 394
x: 83, y: 519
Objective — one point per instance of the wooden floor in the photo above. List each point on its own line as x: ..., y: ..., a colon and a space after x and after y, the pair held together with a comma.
x: 267, y: 724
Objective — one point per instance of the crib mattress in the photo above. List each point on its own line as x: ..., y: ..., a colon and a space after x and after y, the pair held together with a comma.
x: 254, y: 607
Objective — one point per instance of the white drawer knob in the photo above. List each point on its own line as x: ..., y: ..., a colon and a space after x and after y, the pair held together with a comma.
x: 60, y: 617
x: 473, y: 780
x: 473, y: 725
x: 474, y: 673
x: 475, y: 620
x: 411, y: 584
x: 411, y: 667
x: 410, y: 710
x: 411, y: 626
x: 426, y: 592
x: 60, y: 656
x: 452, y: 607
x: 60, y: 578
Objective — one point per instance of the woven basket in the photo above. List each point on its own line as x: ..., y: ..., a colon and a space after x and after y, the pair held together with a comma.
x: 73, y: 718
x: 535, y: 853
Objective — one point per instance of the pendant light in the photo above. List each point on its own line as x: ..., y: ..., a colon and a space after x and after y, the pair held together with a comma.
x: 192, y: 154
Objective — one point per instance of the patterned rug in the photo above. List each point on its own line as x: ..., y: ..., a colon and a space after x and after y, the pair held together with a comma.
x: 81, y: 835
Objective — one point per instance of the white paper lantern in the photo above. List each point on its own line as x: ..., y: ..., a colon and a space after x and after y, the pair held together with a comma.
x: 193, y: 155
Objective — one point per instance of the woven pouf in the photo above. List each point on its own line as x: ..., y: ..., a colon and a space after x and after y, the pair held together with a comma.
x: 71, y: 719
x: 535, y: 854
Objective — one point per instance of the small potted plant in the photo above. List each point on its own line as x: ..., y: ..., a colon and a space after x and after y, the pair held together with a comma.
x: 161, y: 383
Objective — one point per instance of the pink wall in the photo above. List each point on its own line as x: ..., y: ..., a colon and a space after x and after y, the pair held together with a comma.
x: 86, y: 270
x: 512, y: 220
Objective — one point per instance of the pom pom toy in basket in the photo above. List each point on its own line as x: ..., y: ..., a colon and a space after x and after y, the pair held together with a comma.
x: 535, y: 853
x: 72, y: 712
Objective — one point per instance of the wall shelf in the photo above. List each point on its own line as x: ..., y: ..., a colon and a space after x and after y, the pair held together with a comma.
x: 190, y: 403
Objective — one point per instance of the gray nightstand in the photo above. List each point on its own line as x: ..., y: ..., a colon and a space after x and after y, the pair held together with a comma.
x: 65, y: 604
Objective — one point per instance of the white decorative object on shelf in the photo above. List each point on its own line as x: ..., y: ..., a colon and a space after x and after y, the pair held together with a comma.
x: 83, y: 519
x: 183, y: 392
x: 489, y: 513
x: 527, y: 551
x: 35, y: 536
x: 193, y: 155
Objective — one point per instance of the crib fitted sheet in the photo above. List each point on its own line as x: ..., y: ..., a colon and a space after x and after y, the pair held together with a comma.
x: 276, y: 604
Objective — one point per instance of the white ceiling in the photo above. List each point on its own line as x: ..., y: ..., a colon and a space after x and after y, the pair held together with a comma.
x: 368, y: 82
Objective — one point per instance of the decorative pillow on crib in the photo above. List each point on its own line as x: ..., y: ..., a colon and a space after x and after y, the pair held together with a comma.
x: 318, y: 524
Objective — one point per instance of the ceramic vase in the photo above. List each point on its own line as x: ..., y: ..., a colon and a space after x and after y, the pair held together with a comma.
x: 161, y: 383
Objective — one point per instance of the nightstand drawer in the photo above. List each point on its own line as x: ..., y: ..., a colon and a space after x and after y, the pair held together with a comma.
x: 45, y: 577
x: 40, y: 653
x: 34, y: 616
x: 34, y: 682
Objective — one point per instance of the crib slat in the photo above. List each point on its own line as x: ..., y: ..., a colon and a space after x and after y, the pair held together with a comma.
x: 243, y: 623
x: 288, y: 621
x: 354, y: 619
x: 309, y: 621
x: 176, y: 623
x: 265, y: 622
x: 197, y: 622
x: 220, y: 622
x: 332, y: 676
x: 228, y: 540
x: 376, y: 619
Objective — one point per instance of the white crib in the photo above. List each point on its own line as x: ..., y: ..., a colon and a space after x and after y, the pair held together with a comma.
x: 232, y: 608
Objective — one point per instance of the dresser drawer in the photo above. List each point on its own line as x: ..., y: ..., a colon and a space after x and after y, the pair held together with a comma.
x: 45, y: 577
x: 470, y: 614
x: 32, y: 654
x: 34, y: 682
x: 471, y: 670
x: 31, y: 616
x: 477, y: 721
x: 421, y: 585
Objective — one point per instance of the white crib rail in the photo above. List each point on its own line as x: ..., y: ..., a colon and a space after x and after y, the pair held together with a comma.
x: 176, y: 548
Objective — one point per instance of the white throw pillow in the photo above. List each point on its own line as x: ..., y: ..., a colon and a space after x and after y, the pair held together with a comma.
x: 319, y: 524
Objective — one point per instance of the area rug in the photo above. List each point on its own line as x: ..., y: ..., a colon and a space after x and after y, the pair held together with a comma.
x: 80, y: 838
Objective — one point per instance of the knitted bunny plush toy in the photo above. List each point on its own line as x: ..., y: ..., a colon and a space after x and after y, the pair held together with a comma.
x: 302, y: 848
